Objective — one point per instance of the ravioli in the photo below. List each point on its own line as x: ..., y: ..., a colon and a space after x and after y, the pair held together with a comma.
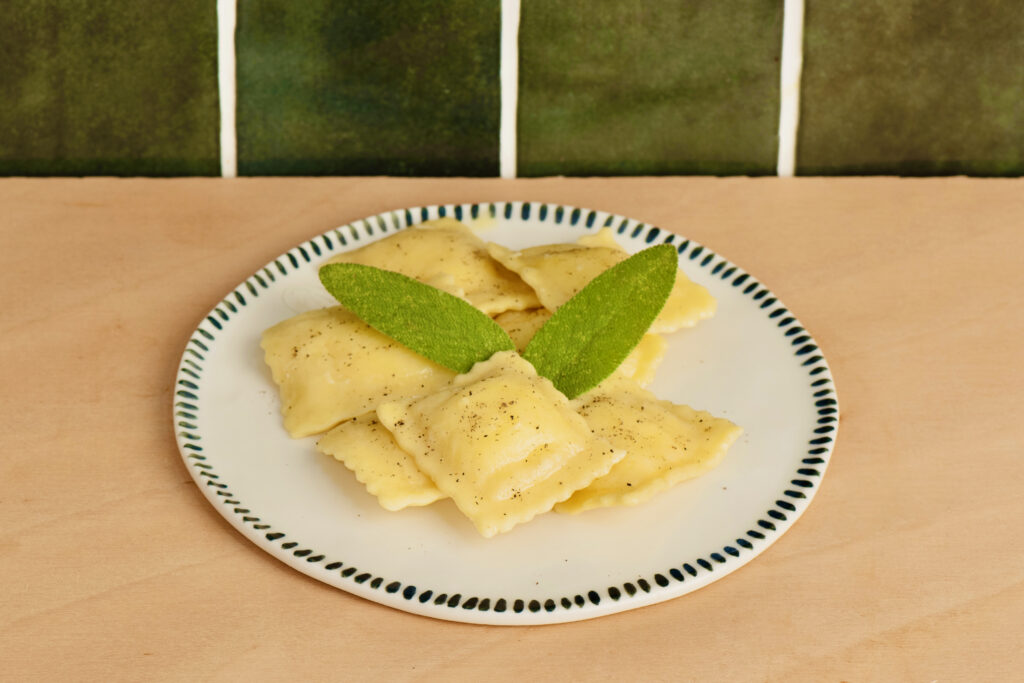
x: 367, y: 448
x: 501, y: 441
x: 446, y: 254
x: 642, y: 362
x: 639, y: 365
x: 522, y: 325
x: 330, y: 366
x: 558, y: 271
x: 665, y: 443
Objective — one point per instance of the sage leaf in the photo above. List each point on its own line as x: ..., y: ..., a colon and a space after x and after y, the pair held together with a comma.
x: 590, y: 335
x: 433, y: 323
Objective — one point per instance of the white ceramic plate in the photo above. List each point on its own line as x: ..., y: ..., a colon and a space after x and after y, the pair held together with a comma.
x: 752, y: 363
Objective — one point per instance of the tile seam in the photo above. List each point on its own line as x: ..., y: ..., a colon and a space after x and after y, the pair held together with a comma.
x: 789, y: 85
x: 227, y: 13
x: 509, y: 80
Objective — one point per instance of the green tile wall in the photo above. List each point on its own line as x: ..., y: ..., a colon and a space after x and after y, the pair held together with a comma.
x: 607, y: 87
x: 913, y: 87
x: 368, y: 87
x: 107, y: 87
x: 610, y: 87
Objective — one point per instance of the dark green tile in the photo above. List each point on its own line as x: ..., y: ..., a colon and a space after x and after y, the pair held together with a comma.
x: 612, y: 87
x: 107, y: 87
x: 910, y: 87
x: 368, y: 87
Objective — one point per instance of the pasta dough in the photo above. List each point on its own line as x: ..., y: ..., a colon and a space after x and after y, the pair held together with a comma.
x: 367, y: 448
x: 639, y: 365
x: 558, y: 271
x: 501, y: 441
x: 330, y: 366
x: 665, y: 443
x: 446, y: 254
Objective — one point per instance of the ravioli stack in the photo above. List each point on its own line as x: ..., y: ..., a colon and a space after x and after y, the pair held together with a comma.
x: 500, y: 440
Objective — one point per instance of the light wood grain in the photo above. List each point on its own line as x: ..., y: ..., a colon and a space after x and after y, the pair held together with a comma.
x: 908, y: 566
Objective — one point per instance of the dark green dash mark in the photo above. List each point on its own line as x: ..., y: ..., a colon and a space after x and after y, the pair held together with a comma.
x: 433, y: 323
x: 590, y: 335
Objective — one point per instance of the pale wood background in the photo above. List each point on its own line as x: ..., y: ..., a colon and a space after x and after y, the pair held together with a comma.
x: 908, y: 566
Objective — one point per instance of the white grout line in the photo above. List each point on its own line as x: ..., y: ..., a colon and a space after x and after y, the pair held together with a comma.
x: 227, y: 12
x: 789, y: 85
x: 509, y: 75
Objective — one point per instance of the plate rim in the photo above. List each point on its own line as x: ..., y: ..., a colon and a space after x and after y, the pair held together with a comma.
x: 682, y: 578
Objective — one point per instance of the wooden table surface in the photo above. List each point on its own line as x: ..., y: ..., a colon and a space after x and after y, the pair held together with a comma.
x: 908, y: 566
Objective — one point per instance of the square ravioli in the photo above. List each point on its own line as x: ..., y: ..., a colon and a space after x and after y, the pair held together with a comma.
x: 366, y: 447
x: 501, y: 441
x: 639, y: 365
x: 558, y: 271
x: 666, y: 443
x: 331, y: 366
x: 446, y: 254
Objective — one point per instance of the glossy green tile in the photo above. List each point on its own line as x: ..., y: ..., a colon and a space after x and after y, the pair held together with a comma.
x: 368, y: 87
x: 106, y: 87
x: 913, y: 88
x: 624, y: 87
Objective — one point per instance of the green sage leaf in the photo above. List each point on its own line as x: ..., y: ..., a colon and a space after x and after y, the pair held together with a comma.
x: 433, y: 323
x: 590, y: 335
